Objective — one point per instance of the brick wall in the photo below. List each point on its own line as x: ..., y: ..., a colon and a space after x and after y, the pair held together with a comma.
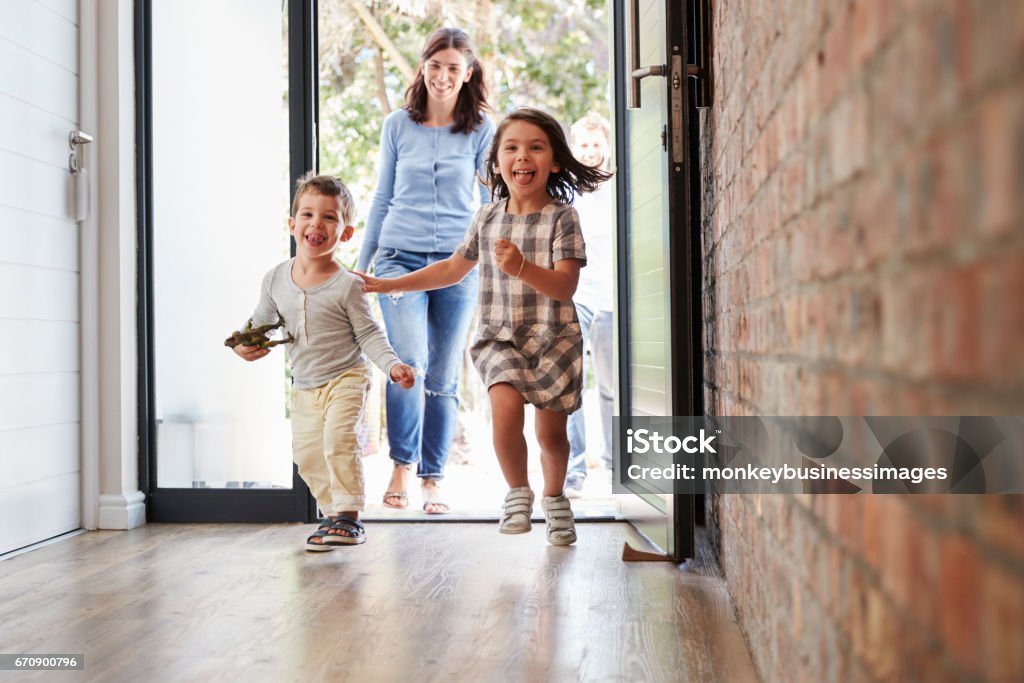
x: 864, y: 255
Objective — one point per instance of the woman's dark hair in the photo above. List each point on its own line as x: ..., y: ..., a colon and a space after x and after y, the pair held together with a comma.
x: 473, y: 95
x: 573, y: 177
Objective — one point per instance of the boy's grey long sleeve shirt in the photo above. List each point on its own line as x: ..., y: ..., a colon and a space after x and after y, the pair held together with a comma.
x: 331, y: 324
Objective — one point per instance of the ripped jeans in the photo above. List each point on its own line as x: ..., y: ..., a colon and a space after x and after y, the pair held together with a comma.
x: 428, y: 330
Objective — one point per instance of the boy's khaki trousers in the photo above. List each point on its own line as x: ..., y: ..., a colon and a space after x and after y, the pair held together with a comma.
x: 325, y: 444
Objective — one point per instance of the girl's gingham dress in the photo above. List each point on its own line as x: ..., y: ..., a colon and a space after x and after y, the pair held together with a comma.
x: 526, y: 338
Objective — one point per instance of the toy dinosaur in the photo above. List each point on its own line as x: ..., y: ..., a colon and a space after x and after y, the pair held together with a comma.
x: 257, y: 336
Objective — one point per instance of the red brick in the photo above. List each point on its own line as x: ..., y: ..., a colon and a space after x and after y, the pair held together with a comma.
x: 866, y: 18
x: 873, y: 519
x: 836, y: 52
x: 919, y: 581
x: 894, y: 545
x: 1001, y: 317
x: 1001, y: 524
x: 865, y: 256
x: 954, y: 330
x: 960, y: 596
x: 850, y: 510
x: 880, y: 634
x: 1001, y: 182
x: 1003, y: 606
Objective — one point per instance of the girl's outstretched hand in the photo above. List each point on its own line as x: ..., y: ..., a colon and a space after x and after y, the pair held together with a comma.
x: 404, y: 375
x: 379, y: 285
x: 508, y: 257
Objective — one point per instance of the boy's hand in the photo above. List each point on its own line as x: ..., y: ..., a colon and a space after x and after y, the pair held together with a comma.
x: 250, y: 352
x: 404, y: 375
x: 508, y: 257
x: 378, y: 285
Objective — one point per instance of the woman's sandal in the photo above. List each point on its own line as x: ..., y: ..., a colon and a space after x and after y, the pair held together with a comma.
x: 346, y: 531
x: 322, y: 531
x: 400, y: 498
x: 560, y: 522
x: 432, y: 496
x: 515, y: 517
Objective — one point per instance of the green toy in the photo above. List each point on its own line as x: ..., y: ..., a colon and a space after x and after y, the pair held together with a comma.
x: 257, y: 336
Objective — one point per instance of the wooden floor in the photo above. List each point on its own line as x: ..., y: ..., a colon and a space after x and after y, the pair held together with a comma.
x: 417, y: 602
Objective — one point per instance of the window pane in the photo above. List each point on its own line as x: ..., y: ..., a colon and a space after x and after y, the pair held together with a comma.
x: 220, y: 207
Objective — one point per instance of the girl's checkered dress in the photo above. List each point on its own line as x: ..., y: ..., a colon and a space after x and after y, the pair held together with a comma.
x: 525, y: 338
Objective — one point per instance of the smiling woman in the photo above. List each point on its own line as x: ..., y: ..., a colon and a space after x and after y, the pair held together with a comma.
x: 431, y: 156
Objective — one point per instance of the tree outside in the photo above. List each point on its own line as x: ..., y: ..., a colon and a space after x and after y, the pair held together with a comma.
x: 550, y: 54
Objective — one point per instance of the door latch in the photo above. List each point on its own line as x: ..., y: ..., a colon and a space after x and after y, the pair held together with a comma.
x: 76, y: 141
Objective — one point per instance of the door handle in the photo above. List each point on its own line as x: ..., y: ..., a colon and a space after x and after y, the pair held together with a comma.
x: 636, y: 72
x: 76, y: 141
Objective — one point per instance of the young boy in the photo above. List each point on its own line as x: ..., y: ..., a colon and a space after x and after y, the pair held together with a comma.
x: 328, y: 317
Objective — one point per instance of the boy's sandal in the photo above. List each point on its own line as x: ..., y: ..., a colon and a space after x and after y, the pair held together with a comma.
x: 345, y: 531
x: 322, y: 532
x: 561, y: 527
x: 515, y: 517
x: 401, y: 497
x: 432, y: 496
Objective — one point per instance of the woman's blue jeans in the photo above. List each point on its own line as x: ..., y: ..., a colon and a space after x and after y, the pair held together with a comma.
x: 428, y: 330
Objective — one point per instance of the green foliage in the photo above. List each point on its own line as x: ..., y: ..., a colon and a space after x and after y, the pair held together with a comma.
x: 551, y: 54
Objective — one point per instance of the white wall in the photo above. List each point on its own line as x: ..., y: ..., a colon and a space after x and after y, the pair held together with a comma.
x: 40, y: 463
x: 68, y: 447
x: 111, y: 270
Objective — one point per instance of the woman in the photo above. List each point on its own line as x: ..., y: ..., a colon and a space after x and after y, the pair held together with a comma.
x: 432, y: 154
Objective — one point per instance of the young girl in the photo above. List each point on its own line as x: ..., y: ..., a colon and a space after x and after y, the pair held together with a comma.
x: 528, y: 346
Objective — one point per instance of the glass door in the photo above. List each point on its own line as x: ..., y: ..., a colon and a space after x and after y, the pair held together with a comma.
x: 655, y: 332
x: 219, y: 125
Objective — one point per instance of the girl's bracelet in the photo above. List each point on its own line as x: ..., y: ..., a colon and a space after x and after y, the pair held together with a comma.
x: 521, y: 266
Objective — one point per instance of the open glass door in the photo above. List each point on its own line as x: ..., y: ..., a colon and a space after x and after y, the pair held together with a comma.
x: 656, y: 371
x: 218, y: 119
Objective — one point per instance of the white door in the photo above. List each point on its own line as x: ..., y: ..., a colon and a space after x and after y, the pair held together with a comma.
x: 40, y: 455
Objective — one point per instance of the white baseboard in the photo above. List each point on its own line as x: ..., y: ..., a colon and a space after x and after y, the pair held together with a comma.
x: 122, y: 511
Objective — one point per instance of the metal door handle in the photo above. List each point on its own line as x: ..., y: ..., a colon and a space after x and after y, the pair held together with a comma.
x: 656, y: 70
x: 636, y: 72
x: 76, y: 139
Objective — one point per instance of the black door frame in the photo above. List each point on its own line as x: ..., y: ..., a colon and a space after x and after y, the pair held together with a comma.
x: 685, y: 36
x: 212, y: 505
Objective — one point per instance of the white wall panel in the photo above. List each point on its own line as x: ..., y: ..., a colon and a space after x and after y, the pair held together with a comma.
x: 42, y: 31
x: 40, y: 335
x: 34, y: 239
x: 34, y: 186
x: 31, y: 78
x: 38, y: 346
x: 66, y: 9
x: 28, y: 455
x: 38, y: 293
x: 38, y: 400
x: 34, y: 133
x: 39, y: 510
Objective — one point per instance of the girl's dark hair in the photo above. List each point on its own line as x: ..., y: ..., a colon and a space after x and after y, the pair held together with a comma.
x: 573, y: 177
x: 473, y: 95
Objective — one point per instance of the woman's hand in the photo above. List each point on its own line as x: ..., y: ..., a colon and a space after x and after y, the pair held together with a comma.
x: 404, y: 375
x: 508, y: 257
x: 250, y: 353
x: 377, y: 285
